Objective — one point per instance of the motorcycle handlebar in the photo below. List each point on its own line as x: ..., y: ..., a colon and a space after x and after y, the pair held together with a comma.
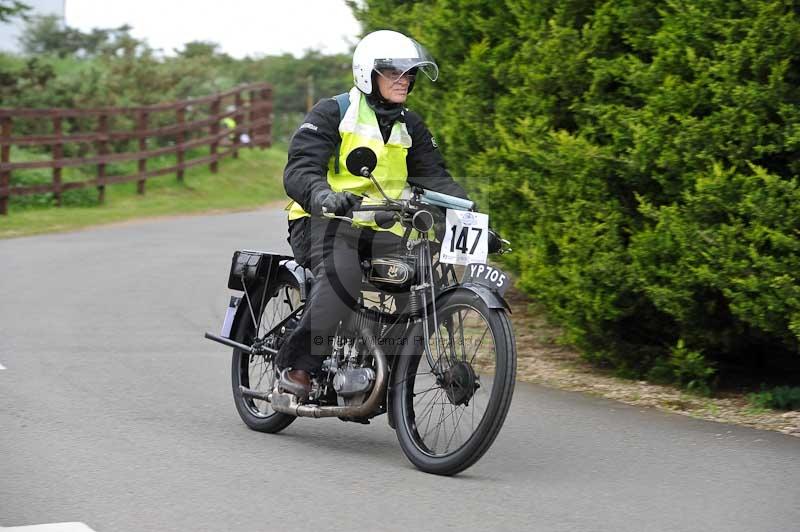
x: 377, y: 208
x: 386, y: 216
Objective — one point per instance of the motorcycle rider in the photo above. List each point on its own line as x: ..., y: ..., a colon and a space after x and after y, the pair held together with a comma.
x: 385, y: 67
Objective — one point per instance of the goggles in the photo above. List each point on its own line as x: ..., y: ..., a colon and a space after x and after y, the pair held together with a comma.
x: 394, y: 75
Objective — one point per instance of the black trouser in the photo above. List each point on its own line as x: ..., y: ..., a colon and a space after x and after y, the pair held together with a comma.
x: 333, y: 251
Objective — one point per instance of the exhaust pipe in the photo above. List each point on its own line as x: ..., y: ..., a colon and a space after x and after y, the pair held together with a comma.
x: 287, y: 403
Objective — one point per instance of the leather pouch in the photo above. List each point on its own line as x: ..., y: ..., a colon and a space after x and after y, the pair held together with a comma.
x: 247, y: 267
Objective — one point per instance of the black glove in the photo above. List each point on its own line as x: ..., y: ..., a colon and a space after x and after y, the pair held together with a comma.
x: 495, y: 244
x: 338, y: 203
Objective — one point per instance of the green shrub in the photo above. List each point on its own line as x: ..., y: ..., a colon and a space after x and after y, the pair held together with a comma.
x: 642, y: 157
x: 684, y: 367
x: 690, y: 368
x: 779, y: 398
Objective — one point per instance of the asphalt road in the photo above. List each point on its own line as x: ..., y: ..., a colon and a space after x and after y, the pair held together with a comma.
x: 115, y: 412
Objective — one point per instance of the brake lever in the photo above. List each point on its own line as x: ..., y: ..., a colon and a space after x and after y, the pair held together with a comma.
x: 331, y: 216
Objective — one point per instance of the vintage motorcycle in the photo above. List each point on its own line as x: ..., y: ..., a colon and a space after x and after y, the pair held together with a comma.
x: 434, y: 352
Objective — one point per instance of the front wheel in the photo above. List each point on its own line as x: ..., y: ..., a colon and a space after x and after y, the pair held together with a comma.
x: 450, y: 411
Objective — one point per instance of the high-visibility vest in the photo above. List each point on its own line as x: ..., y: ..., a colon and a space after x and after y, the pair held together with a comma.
x: 359, y: 127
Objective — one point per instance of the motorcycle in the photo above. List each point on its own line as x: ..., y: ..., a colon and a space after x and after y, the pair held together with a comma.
x: 429, y: 342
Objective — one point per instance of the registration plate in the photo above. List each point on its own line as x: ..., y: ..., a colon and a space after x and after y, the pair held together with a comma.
x: 486, y: 275
x: 230, y: 313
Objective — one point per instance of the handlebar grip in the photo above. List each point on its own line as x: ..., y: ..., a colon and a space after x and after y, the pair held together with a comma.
x: 385, y: 219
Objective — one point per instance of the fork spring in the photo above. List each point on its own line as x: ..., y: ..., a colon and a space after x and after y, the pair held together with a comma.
x: 414, y: 305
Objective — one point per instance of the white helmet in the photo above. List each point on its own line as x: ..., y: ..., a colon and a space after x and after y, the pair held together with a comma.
x: 389, y: 49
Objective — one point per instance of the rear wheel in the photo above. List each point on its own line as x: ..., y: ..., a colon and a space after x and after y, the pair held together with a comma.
x: 450, y: 411
x: 258, y: 372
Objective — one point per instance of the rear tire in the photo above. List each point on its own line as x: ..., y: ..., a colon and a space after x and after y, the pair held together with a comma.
x: 258, y: 372
x: 479, y: 375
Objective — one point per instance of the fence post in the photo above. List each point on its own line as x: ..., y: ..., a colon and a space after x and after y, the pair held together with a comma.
x: 238, y: 117
x: 180, y: 139
x: 251, y: 130
x: 266, y: 113
x: 58, y: 154
x: 309, y: 92
x: 214, y: 131
x: 142, y: 127
x: 102, y: 149
x: 5, y: 156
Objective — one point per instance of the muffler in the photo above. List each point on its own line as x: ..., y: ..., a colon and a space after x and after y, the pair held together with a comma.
x: 287, y: 403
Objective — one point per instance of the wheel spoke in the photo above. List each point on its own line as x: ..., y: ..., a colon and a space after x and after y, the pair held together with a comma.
x: 262, y: 372
x: 455, y: 427
x: 431, y: 404
x: 428, y: 424
x: 479, y: 345
x: 259, y: 372
x: 445, y: 418
x: 437, y: 427
x: 461, y: 332
x: 426, y: 391
x: 474, y: 402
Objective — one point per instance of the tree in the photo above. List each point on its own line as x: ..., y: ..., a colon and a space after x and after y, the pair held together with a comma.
x: 12, y: 8
x: 47, y: 35
x: 199, y: 49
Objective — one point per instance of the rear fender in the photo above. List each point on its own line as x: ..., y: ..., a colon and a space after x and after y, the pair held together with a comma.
x: 301, y: 274
x: 277, y: 264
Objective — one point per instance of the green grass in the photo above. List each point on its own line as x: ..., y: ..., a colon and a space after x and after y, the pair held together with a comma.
x: 252, y: 180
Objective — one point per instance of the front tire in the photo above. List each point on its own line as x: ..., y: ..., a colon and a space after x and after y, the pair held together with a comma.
x: 258, y: 372
x: 476, y: 368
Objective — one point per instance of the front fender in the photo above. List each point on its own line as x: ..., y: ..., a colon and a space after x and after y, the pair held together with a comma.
x: 412, y: 346
x: 490, y: 297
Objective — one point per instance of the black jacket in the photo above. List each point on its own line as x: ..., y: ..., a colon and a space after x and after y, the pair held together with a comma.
x: 313, y: 144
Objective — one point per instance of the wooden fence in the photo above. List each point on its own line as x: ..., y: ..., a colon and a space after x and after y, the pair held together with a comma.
x: 91, y: 134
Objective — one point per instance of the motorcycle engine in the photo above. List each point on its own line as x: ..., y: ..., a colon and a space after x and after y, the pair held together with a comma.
x: 352, y: 385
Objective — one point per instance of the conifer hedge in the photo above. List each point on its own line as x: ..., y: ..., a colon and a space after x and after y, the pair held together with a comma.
x: 642, y: 155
